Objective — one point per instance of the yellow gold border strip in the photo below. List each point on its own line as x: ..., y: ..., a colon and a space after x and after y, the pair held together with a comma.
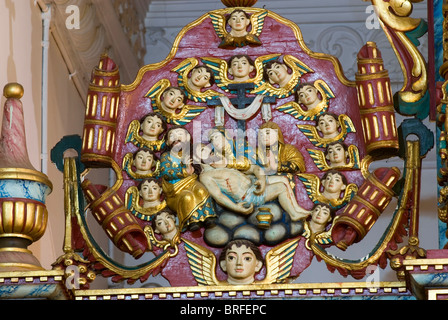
x: 57, y: 274
x: 288, y: 290
x: 389, y: 108
x: 25, y: 174
x: 100, y: 123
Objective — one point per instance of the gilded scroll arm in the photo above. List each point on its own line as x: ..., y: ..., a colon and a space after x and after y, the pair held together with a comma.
x: 402, y: 32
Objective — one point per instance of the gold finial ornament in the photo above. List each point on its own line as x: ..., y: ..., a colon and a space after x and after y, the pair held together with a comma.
x: 13, y: 90
x: 238, y: 3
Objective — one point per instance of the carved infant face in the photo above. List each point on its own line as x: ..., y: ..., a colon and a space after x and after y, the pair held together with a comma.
x: 165, y: 222
x: 238, y: 21
x: 240, y: 68
x: 143, y: 160
x: 152, y: 126
x: 333, y: 183
x: 277, y: 73
x: 327, y: 124
x: 336, y: 154
x: 172, y: 99
x: 307, y: 95
x: 321, y: 215
x: 200, y: 77
x: 240, y: 264
x: 150, y: 191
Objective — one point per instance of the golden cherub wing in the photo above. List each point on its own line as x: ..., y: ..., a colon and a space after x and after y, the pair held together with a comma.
x: 188, y: 113
x: 257, y: 21
x: 131, y: 198
x: 294, y: 109
x: 353, y: 153
x: 202, y: 264
x: 279, y: 261
x: 219, y: 68
x: 349, y: 193
x: 183, y: 69
x: 127, y: 163
x: 324, y: 89
x: 298, y: 67
x: 346, y: 124
x: 219, y: 24
x: 319, y: 159
x: 259, y: 64
x: 156, y: 91
x: 312, y: 186
x: 132, y: 134
x: 312, y: 134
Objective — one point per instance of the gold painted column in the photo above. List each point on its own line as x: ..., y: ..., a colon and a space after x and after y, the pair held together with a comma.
x: 23, y: 190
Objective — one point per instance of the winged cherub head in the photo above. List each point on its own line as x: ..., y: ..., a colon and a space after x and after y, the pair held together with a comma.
x: 238, y: 21
x: 328, y: 124
x: 277, y: 72
x: 173, y: 98
x: 153, y: 125
x: 241, y: 260
x: 201, y: 77
x: 240, y: 67
x: 308, y: 95
x: 334, y: 182
x: 321, y: 216
x: 143, y: 160
x: 164, y: 223
x: 336, y: 153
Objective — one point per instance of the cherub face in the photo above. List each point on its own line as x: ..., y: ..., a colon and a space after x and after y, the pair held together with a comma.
x: 336, y: 154
x: 240, y: 68
x: 172, y: 99
x: 152, y: 126
x: 200, y: 77
x: 150, y: 191
x: 143, y: 160
x: 165, y: 222
x: 178, y: 135
x: 277, y: 73
x: 268, y: 136
x: 327, y: 125
x: 307, y: 95
x: 321, y: 215
x: 333, y: 183
x: 238, y: 21
x: 240, y: 264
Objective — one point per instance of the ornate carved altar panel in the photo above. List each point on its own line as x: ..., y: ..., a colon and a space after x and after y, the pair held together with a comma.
x: 243, y: 155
